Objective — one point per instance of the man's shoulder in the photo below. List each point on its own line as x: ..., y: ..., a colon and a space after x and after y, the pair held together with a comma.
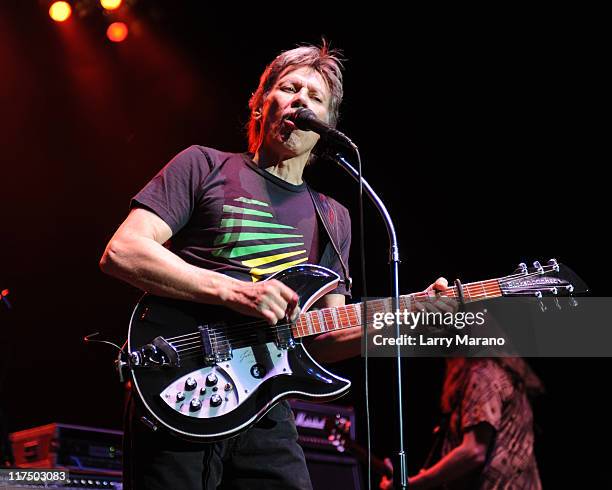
x: 213, y: 156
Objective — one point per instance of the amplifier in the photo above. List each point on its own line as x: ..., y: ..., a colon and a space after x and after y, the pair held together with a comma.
x: 329, y: 472
x: 73, y: 447
x: 318, y: 424
x: 323, y: 430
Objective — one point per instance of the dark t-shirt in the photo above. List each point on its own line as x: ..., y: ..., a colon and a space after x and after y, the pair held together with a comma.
x: 230, y: 216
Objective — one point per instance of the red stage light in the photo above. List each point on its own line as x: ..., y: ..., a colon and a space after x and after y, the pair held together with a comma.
x: 4, y: 293
x: 111, y: 4
x: 60, y: 11
x: 117, y: 32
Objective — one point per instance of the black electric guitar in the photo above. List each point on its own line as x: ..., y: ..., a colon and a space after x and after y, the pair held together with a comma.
x: 207, y: 373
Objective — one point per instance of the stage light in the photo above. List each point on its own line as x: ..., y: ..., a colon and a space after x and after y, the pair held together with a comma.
x: 117, y: 32
x: 111, y: 4
x: 60, y: 11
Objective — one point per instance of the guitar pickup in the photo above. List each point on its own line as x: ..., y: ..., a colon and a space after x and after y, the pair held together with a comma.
x: 284, y: 338
x: 159, y: 353
x: 215, y: 347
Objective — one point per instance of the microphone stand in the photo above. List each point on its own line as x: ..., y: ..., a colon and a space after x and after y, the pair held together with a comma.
x: 394, y: 261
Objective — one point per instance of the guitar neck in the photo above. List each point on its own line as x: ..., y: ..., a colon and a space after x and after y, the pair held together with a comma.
x: 347, y: 316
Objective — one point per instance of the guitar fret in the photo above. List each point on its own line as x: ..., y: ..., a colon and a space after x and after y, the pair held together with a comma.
x: 299, y: 331
x: 334, y: 316
x: 322, y: 321
x: 342, y: 317
x: 355, y: 311
x: 345, y: 320
x: 316, y: 322
x: 309, y: 323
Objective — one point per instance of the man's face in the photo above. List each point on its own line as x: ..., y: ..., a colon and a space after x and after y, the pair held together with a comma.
x: 295, y: 88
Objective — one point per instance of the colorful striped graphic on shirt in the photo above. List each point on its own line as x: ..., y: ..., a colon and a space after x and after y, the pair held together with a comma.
x: 241, y: 215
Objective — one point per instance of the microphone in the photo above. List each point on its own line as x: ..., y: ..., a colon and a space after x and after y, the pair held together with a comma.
x: 307, y: 120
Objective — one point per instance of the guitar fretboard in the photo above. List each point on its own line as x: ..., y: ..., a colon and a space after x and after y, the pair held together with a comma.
x: 338, y: 318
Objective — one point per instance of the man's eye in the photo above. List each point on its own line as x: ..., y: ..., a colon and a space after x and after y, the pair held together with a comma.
x: 287, y: 88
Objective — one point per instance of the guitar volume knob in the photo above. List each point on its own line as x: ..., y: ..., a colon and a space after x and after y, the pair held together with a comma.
x: 215, y: 400
x: 190, y: 384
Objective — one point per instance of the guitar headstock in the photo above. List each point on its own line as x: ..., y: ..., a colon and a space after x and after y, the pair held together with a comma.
x: 552, y: 279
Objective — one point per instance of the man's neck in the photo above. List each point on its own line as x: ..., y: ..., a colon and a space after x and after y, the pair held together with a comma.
x: 290, y: 169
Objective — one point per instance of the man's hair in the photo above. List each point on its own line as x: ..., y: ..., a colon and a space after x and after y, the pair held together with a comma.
x: 324, y: 60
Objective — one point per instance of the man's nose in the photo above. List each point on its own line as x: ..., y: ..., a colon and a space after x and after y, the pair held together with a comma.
x: 300, y: 99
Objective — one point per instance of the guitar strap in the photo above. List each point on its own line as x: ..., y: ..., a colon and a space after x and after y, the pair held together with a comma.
x: 328, y: 217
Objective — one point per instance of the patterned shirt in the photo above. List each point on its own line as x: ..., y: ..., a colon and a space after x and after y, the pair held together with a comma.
x: 491, y: 395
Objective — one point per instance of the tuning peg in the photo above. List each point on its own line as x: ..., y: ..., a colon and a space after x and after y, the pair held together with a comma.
x: 554, y: 264
x: 522, y: 268
x: 538, y: 267
x: 557, y: 304
x: 573, y: 301
x: 542, y: 306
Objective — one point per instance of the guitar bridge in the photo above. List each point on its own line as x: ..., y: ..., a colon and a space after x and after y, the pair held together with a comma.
x: 215, y: 347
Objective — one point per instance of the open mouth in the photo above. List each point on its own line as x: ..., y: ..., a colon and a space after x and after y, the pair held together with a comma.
x: 289, y: 123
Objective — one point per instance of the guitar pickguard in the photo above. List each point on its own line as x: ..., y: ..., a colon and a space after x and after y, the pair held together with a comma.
x: 218, y: 390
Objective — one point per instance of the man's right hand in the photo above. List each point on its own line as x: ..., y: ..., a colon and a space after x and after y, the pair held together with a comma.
x: 271, y: 300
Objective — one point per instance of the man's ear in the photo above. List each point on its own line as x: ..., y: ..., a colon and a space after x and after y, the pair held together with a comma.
x: 257, y: 113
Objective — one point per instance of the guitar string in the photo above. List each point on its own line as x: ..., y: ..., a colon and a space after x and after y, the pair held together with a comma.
x: 241, y: 341
x: 218, y: 337
x: 343, y: 313
x: 244, y: 342
x: 491, y: 283
x: 488, y: 290
x: 230, y: 333
x: 239, y: 344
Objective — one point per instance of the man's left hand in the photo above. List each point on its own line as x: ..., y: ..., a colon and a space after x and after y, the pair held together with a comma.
x: 438, y: 302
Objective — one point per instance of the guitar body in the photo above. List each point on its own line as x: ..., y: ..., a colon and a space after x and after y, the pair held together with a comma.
x: 207, y: 373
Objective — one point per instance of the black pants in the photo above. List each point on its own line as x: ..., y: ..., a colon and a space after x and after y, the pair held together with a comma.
x: 266, y: 456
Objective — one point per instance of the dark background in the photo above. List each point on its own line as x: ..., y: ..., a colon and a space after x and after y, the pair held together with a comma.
x: 482, y: 131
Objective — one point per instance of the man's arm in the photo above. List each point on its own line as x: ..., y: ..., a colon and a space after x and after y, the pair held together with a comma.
x: 136, y: 255
x: 465, y: 459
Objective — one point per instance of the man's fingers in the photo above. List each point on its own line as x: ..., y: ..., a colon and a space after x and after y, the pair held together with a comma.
x: 288, y: 294
x: 278, y: 311
x: 295, y: 313
x: 287, y: 299
x: 441, y: 284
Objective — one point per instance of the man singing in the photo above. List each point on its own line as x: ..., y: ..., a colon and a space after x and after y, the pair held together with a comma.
x: 234, y: 219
